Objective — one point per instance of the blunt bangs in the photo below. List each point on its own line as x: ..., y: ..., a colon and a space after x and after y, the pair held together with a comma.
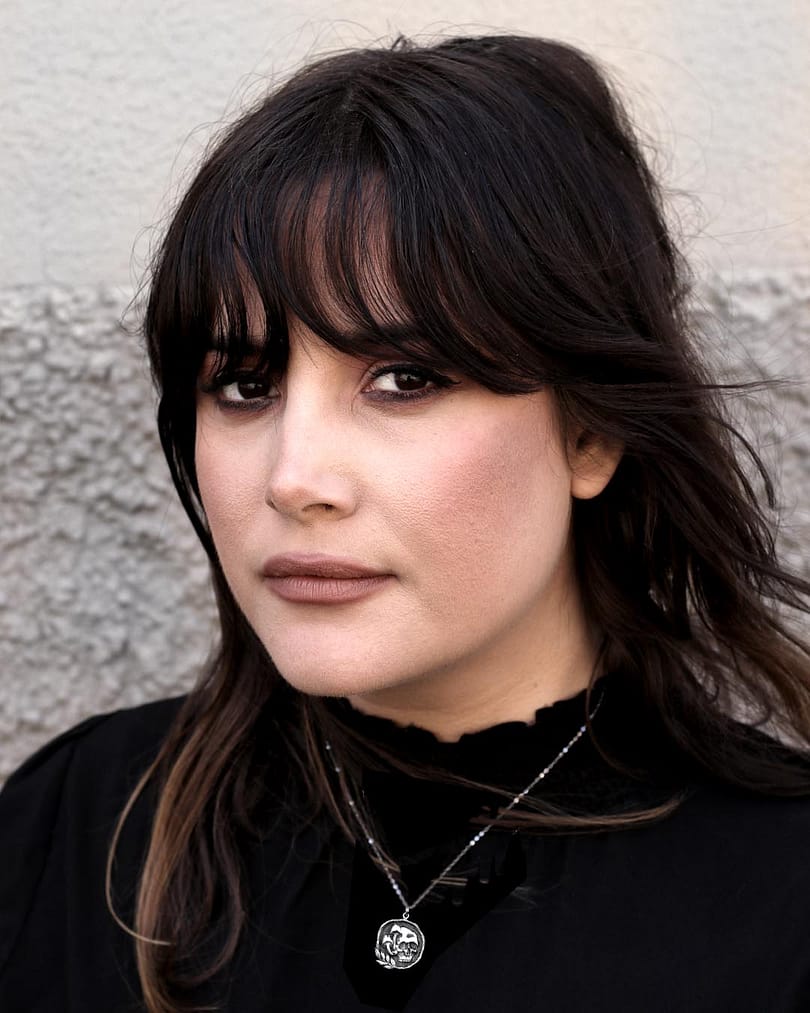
x: 398, y: 205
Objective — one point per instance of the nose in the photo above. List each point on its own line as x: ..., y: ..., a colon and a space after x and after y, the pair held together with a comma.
x: 305, y: 460
x: 310, y: 439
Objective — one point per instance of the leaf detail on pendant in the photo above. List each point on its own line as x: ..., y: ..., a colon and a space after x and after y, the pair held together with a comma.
x: 400, y: 944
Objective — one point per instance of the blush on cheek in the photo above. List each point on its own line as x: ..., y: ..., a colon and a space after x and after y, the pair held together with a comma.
x: 496, y: 508
x: 499, y: 470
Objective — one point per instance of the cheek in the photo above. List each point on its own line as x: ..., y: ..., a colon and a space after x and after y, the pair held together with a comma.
x: 493, y: 511
x: 230, y: 484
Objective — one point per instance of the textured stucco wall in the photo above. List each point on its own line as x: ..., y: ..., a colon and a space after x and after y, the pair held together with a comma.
x: 104, y: 597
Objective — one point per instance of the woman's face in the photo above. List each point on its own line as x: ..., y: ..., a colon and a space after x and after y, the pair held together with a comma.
x: 463, y: 496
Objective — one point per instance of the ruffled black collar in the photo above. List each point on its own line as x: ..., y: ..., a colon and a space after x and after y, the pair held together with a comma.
x: 510, y: 753
x: 625, y: 763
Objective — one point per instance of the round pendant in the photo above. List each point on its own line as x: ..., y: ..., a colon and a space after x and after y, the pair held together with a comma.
x: 400, y: 944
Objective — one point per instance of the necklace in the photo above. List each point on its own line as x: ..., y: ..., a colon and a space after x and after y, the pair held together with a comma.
x: 401, y: 942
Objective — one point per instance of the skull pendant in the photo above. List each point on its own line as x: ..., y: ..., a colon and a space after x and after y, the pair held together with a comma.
x: 400, y: 944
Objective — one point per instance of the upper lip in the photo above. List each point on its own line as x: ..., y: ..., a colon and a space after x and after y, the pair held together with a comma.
x: 290, y: 564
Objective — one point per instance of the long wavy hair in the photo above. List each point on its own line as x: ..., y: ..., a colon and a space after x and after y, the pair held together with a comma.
x: 524, y: 235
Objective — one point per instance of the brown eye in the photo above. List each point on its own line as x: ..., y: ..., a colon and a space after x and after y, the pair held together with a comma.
x: 246, y: 389
x: 412, y: 379
x: 410, y: 382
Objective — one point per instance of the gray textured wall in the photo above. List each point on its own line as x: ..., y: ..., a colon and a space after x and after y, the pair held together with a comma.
x: 104, y: 597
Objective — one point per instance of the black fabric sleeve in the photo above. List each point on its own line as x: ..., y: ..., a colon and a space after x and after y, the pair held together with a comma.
x: 29, y: 808
x: 57, y: 812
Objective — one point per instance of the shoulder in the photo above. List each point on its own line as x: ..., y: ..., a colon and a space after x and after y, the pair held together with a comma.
x: 752, y: 845
x: 65, y: 797
x: 123, y: 735
x: 93, y: 761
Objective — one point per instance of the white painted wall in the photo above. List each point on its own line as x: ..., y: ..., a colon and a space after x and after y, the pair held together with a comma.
x: 106, y: 106
x: 106, y: 103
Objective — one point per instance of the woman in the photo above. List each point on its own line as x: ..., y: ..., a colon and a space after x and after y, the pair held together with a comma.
x: 420, y: 309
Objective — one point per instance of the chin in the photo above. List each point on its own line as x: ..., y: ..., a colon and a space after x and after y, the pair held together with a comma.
x: 335, y: 687
x: 323, y: 680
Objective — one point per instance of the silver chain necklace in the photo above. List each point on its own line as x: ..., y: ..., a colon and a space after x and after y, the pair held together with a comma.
x: 400, y: 942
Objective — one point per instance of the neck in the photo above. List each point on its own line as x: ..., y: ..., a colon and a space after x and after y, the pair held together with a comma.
x: 502, y: 685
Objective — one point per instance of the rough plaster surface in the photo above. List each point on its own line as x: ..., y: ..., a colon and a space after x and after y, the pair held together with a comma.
x: 104, y: 588
x: 104, y: 596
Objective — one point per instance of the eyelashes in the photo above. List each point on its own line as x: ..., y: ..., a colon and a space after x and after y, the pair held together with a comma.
x: 250, y: 390
x: 439, y: 381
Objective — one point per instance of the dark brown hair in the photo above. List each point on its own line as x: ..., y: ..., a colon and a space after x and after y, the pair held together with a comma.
x: 525, y: 238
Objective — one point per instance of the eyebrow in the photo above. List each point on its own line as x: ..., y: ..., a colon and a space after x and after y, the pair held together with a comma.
x: 253, y: 344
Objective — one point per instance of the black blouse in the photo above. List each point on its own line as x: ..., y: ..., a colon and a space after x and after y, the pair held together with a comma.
x: 707, y: 909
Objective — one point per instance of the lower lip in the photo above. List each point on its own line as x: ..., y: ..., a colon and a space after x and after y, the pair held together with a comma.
x: 325, y: 590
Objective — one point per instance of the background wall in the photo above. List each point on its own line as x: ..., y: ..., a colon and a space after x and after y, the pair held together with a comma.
x: 104, y: 598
